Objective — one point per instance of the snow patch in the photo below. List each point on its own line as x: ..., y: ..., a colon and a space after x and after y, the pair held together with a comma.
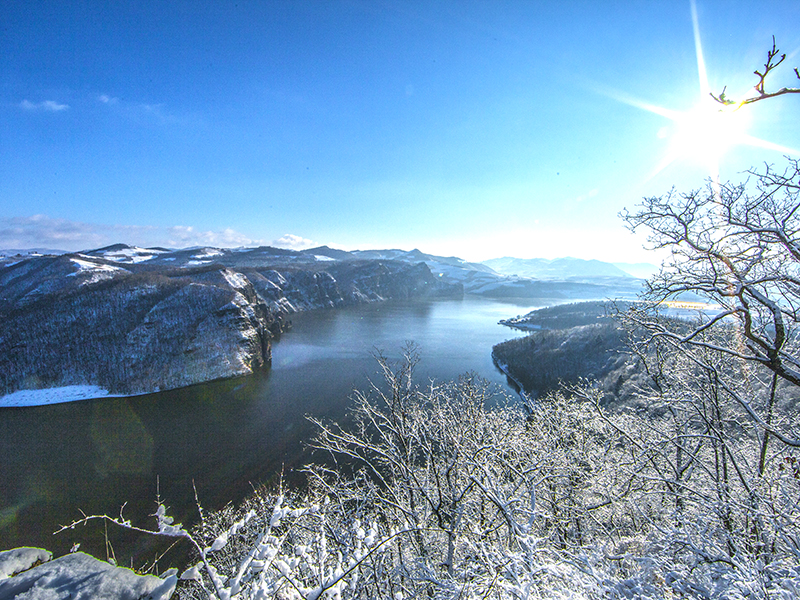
x: 235, y: 279
x: 131, y: 255
x: 98, y: 271
x: 57, y: 395
x: 208, y: 253
x: 85, y: 265
x: 319, y: 257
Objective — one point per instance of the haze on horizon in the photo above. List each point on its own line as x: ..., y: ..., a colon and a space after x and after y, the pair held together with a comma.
x: 478, y: 129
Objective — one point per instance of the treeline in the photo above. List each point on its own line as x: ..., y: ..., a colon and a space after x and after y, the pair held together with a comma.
x: 563, y: 316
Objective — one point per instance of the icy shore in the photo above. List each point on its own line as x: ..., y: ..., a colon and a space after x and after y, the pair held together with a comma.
x: 69, y: 393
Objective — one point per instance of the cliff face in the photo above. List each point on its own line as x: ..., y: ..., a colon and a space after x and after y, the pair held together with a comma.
x: 133, y: 325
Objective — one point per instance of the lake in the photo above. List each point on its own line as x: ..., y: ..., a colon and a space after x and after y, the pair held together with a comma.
x: 223, y: 437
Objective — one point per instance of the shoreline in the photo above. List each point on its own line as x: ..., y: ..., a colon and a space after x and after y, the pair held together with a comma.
x: 56, y: 395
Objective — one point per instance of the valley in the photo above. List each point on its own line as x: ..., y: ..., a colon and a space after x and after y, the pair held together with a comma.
x: 126, y: 320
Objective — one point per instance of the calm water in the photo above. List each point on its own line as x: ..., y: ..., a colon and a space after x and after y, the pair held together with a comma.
x: 226, y: 436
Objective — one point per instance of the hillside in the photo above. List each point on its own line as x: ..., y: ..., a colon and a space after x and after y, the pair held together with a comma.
x: 567, y: 344
x: 134, y: 320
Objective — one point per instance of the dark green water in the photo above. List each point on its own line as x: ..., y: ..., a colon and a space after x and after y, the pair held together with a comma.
x: 225, y: 436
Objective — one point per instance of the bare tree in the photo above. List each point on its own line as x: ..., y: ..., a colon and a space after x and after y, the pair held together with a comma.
x: 738, y: 247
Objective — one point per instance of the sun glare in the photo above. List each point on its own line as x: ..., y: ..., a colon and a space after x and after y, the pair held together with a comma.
x: 704, y: 134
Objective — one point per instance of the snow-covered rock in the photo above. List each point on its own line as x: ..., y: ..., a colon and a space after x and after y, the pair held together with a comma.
x: 76, y: 576
x: 21, y: 559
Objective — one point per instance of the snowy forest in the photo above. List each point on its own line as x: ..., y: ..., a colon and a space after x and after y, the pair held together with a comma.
x: 689, y: 489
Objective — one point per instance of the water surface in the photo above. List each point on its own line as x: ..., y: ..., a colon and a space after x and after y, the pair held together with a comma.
x: 223, y: 437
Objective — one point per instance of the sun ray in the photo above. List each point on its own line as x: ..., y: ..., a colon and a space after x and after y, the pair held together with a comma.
x: 704, y: 133
x: 705, y: 88
x: 749, y: 140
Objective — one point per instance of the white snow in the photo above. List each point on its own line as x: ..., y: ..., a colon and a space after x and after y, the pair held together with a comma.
x: 85, y: 265
x: 323, y: 258
x: 79, y: 576
x: 194, y: 263
x: 207, y: 253
x: 235, y: 279
x: 69, y: 393
x: 21, y: 559
x: 99, y: 271
x: 131, y: 255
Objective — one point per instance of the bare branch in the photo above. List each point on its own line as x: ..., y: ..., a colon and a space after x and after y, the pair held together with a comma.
x: 774, y: 59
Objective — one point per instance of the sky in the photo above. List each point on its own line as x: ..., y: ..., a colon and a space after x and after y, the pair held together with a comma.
x: 474, y: 129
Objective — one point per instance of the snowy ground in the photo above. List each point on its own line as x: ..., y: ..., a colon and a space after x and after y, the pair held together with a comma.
x: 57, y: 395
x: 30, y: 574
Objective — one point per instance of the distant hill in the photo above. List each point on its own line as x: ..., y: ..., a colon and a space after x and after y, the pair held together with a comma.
x: 28, y: 251
x: 419, y: 256
x: 640, y: 270
x: 562, y: 278
x: 557, y: 268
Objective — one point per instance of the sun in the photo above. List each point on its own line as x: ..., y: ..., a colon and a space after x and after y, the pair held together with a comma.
x: 704, y: 133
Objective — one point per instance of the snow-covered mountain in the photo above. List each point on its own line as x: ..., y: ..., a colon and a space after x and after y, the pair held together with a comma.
x: 20, y: 253
x: 557, y: 268
x: 132, y: 320
x: 413, y: 256
x: 567, y: 278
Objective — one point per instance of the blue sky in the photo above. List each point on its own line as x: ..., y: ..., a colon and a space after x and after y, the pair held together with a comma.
x: 477, y: 129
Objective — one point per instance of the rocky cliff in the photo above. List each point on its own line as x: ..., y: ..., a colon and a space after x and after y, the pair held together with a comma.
x: 134, y: 320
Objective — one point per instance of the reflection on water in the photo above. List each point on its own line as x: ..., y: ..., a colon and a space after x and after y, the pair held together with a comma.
x: 120, y: 441
x: 222, y: 437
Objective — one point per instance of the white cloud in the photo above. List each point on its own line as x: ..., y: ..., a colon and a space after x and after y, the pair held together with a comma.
x: 46, y: 105
x: 293, y: 242
x: 181, y: 236
x: 41, y: 231
x: 106, y: 99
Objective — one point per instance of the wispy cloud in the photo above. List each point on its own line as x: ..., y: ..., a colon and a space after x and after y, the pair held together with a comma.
x: 45, y: 105
x: 157, y: 112
x: 41, y: 231
x: 293, y: 242
x: 181, y: 236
